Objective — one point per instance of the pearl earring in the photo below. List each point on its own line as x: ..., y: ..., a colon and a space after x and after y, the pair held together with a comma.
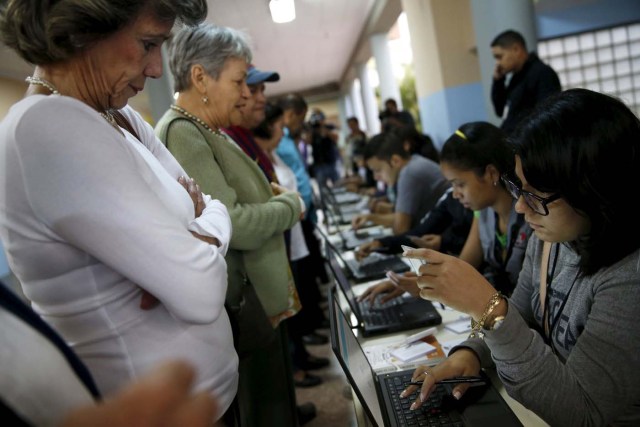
x: 205, y: 99
x: 495, y: 183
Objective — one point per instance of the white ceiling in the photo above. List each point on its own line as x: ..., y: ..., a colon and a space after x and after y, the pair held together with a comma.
x: 312, y: 53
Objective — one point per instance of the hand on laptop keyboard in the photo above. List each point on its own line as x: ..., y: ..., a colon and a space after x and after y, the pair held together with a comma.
x: 380, y: 293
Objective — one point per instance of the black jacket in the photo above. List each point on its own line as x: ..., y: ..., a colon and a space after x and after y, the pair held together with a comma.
x: 448, y: 218
x: 533, y: 83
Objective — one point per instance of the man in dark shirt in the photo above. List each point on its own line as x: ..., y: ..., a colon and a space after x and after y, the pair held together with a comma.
x: 392, y: 118
x: 531, y: 80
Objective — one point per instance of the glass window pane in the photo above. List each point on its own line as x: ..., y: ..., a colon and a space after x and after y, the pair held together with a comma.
x: 606, y: 70
x: 555, y: 47
x: 575, y: 77
x: 594, y: 86
x: 588, y: 41
x: 627, y: 98
x: 591, y: 73
x: 634, y: 48
x: 634, y: 32
x: 543, y: 50
x: 603, y: 38
x: 589, y: 57
x: 623, y: 67
x: 563, y: 79
x: 621, y: 51
x: 619, y: 35
x: 625, y: 83
x: 571, y: 44
x: 558, y: 63
x: 609, y: 86
x: 605, y: 54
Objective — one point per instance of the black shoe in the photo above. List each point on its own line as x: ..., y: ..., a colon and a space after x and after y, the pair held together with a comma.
x: 314, y: 362
x: 306, y: 412
x: 309, y: 380
x: 315, y: 339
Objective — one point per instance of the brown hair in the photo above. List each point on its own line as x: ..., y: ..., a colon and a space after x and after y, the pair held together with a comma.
x: 48, y: 31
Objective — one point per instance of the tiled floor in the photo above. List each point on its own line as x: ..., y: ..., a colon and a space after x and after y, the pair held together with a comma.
x: 332, y: 398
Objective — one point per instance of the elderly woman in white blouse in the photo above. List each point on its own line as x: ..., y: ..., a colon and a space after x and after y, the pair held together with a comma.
x: 97, y: 217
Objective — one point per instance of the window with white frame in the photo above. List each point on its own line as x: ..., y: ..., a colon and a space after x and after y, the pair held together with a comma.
x: 606, y: 61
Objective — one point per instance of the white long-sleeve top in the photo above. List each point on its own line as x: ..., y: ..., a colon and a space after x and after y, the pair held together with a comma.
x: 89, y: 219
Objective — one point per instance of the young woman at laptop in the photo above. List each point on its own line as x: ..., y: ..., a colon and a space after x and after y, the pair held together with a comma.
x: 566, y: 343
x: 473, y: 159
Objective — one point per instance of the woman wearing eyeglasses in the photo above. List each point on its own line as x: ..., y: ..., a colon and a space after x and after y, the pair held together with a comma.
x: 566, y: 344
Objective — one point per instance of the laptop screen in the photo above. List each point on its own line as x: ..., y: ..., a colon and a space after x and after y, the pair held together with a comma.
x: 353, y: 360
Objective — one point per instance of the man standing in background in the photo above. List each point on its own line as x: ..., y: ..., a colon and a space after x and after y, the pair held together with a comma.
x: 531, y: 80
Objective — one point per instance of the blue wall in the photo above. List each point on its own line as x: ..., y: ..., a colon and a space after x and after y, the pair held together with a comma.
x: 443, y: 112
x: 555, y: 19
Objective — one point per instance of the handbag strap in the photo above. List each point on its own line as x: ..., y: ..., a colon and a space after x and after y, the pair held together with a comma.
x: 122, y: 121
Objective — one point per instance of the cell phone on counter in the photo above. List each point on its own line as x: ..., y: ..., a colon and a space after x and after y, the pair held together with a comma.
x: 414, y: 262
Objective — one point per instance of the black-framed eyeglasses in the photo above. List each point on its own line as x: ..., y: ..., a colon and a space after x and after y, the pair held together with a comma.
x: 536, y: 203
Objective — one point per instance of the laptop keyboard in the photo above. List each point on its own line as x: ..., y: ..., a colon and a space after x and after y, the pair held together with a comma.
x: 380, y: 267
x: 380, y: 313
x: 430, y: 414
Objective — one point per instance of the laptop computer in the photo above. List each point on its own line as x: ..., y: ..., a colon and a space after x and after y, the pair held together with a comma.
x: 343, y: 213
x: 378, y: 394
x: 399, y: 314
x: 351, y: 239
x: 340, y: 195
x: 375, y: 266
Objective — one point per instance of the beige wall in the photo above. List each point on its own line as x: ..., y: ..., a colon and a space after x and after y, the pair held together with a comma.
x: 442, y: 40
x: 11, y: 92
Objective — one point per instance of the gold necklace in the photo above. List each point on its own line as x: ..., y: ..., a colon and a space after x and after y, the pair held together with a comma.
x: 107, y: 115
x: 195, y: 119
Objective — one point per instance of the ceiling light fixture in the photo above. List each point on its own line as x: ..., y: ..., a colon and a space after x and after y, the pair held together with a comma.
x: 282, y: 11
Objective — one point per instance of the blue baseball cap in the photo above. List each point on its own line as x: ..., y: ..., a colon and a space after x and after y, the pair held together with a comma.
x: 255, y: 76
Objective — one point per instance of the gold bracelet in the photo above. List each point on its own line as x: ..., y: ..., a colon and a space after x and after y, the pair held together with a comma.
x: 476, y: 327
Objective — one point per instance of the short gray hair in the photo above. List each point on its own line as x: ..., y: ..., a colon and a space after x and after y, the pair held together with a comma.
x: 207, y: 45
x: 47, y: 31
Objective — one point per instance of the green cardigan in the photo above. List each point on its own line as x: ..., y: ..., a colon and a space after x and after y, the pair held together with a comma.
x: 257, y: 250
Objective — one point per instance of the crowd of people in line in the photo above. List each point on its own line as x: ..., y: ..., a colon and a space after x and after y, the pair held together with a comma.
x: 174, y: 274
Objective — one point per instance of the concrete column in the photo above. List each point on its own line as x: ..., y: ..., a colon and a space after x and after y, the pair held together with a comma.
x: 445, y: 64
x: 368, y: 99
x: 358, y: 107
x: 348, y: 104
x: 388, y: 84
x: 490, y: 18
x: 343, y: 115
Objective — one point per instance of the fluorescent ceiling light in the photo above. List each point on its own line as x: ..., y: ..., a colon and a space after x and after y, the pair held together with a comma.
x: 282, y: 11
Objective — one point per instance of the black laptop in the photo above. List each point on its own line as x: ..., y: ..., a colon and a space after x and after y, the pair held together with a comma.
x: 399, y: 314
x: 375, y: 266
x: 379, y: 394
